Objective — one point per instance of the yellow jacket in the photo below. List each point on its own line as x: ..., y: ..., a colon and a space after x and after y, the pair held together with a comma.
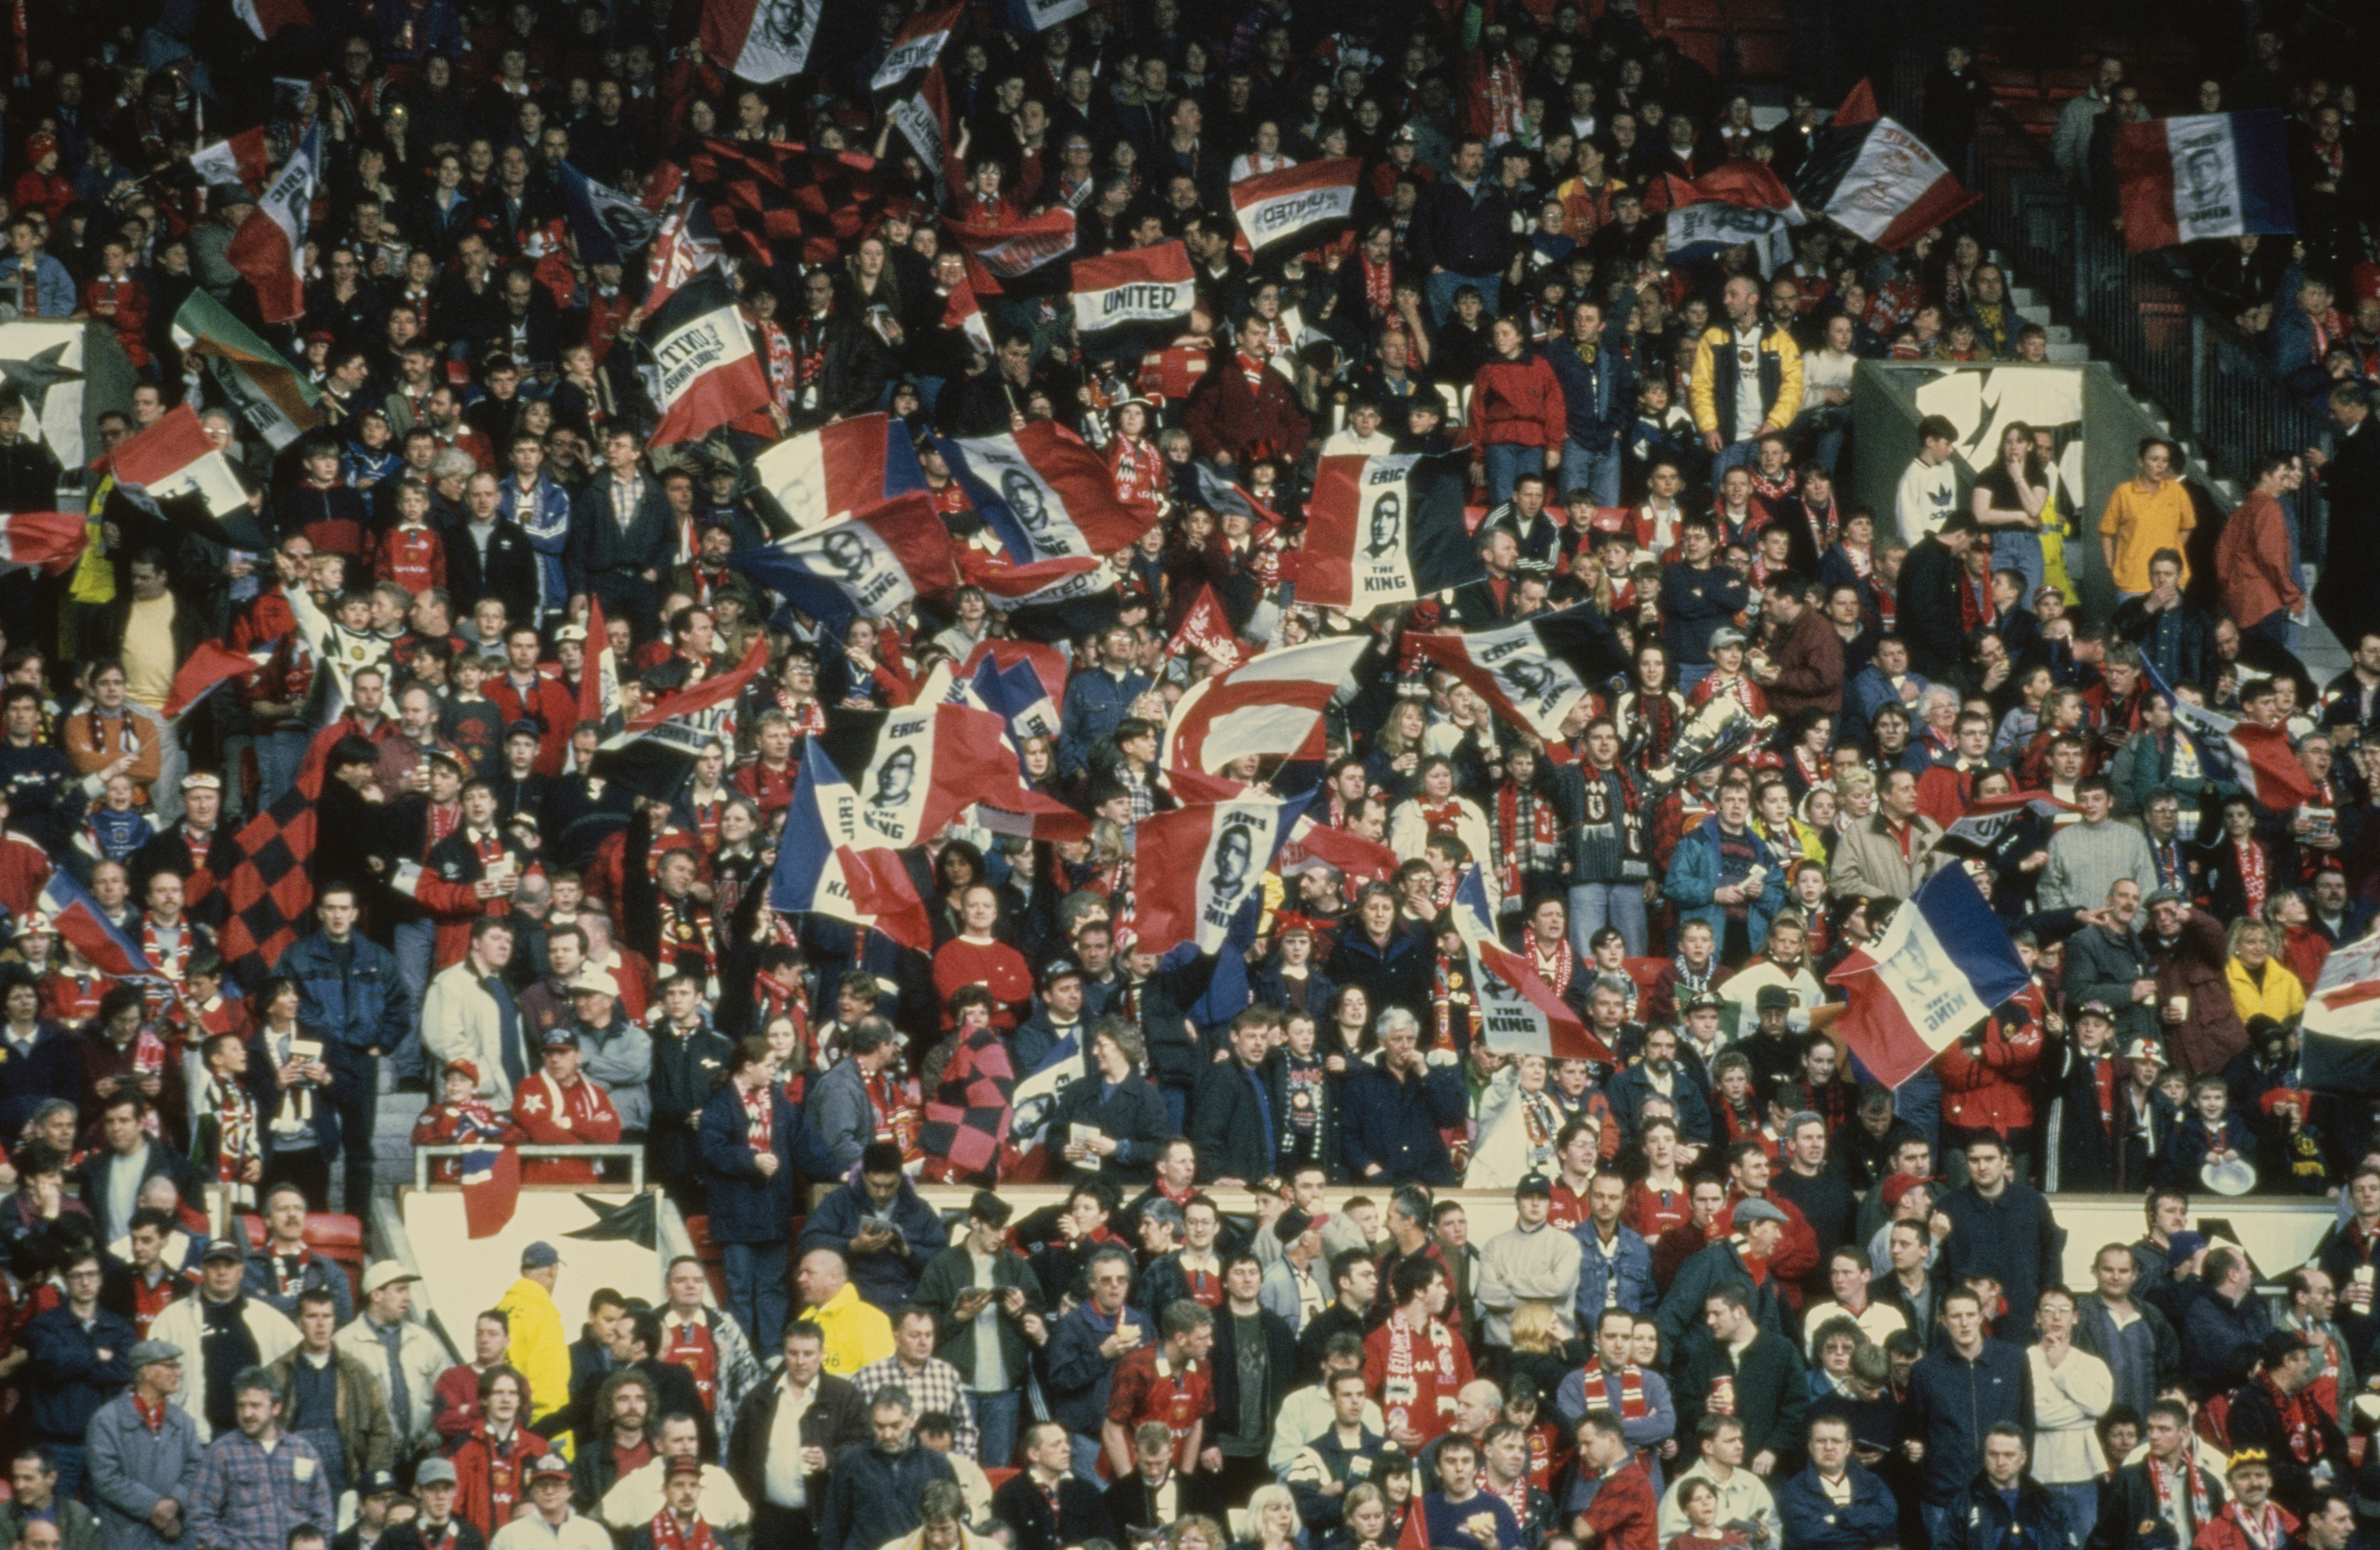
x: 1711, y: 393
x: 857, y: 1333
x: 2281, y: 997
x: 540, y: 1347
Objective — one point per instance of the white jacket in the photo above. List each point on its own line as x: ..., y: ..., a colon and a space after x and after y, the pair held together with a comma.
x: 424, y: 1359
x: 459, y: 1022
x: 2068, y: 1400
x: 182, y: 1324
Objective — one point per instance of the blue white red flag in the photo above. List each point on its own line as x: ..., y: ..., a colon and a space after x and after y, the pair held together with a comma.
x: 1942, y: 964
x: 2256, y: 758
x: 1221, y: 850
x: 2342, y: 1021
x: 77, y: 919
x: 491, y: 1180
x: 1519, y: 1013
x: 2204, y: 175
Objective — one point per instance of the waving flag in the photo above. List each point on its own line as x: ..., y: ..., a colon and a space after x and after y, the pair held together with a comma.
x: 782, y: 202
x: 824, y: 475
x: 1220, y: 850
x: 77, y: 917
x: 1387, y: 531
x: 685, y: 245
x: 1032, y: 1141
x: 2204, y: 175
x: 709, y: 373
x: 1535, y: 673
x: 913, y: 769
x: 964, y: 312
x: 272, y: 396
x: 1044, y: 494
x: 1017, y: 696
x: 1977, y: 831
x: 210, y: 664
x: 49, y: 542
x: 1940, y: 966
x: 1206, y: 629
x: 968, y: 1116
x: 875, y: 563
x: 1018, y: 254
x: 599, y: 680
x: 1270, y: 704
x: 1357, y: 859
x: 265, y: 248
x: 266, y: 876
x: 690, y: 715
x: 1297, y: 208
x: 760, y: 40
x: 1519, y: 1013
x: 607, y: 223
x: 1742, y: 182
x: 2235, y: 752
x: 1131, y: 302
x: 1707, y: 229
x: 1878, y: 182
x: 242, y: 160
x: 267, y: 17
x: 492, y: 1181
x: 916, y: 46
x: 2342, y: 1021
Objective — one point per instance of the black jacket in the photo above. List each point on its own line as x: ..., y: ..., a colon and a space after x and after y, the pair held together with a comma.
x: 1982, y: 1519
x: 1927, y: 608
x: 2129, y: 1501
x: 1281, y: 1373
x: 1081, y: 1513
x: 836, y: 1422
x: 2255, y: 1421
x: 1132, y: 1111
x: 852, y: 375
x: 1770, y: 1391
x: 1132, y: 1504
x: 1227, y: 1128
x: 686, y: 1072
x: 508, y: 570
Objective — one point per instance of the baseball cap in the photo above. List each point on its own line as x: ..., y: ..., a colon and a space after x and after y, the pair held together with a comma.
x: 592, y: 980
x: 223, y: 1249
x: 1773, y: 996
x: 1703, y: 1001
x: 571, y: 632
x: 1898, y: 1186
x: 1726, y: 635
x: 539, y: 1255
x: 561, y: 1036
x: 676, y: 1467
x: 1534, y: 1184
x: 434, y: 1471
x: 466, y: 1068
x: 386, y: 1272
x: 1059, y: 968
x: 553, y: 1465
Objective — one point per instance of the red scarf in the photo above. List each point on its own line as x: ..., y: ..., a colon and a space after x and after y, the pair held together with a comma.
x: 760, y: 1122
x: 1379, y: 291
x: 667, y: 1535
x: 1528, y: 830
x: 1401, y: 1395
x: 152, y: 1414
x: 690, y: 1345
x: 2255, y: 875
x: 2161, y: 1481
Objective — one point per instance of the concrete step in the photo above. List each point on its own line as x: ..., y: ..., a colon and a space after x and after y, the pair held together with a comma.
x: 2057, y: 332
x: 2027, y: 301
x: 2069, y: 354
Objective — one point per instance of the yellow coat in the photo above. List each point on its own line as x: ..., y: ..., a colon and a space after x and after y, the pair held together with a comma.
x: 857, y: 1333
x: 540, y: 1347
x: 2281, y: 997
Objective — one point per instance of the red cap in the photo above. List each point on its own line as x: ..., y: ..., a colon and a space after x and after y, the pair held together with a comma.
x: 1897, y: 1186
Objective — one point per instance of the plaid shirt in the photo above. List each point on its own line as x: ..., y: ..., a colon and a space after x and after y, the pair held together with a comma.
x: 249, y: 1499
x: 937, y: 1387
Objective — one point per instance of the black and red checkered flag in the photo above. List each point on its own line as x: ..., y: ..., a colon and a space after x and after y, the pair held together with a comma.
x: 266, y: 876
x: 782, y: 202
x: 968, y: 1116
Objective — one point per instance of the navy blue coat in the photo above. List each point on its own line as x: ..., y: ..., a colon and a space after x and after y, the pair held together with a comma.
x: 1809, y: 1520
x: 1953, y: 1402
x: 363, y: 1008
x: 65, y: 1381
x: 888, y: 1279
x: 52, y: 1070
x: 1397, y: 1124
x: 745, y: 1207
x: 1075, y: 1377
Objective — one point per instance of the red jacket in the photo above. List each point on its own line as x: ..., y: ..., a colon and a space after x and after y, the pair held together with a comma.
x: 1988, y: 1086
x: 547, y: 703
x: 492, y: 1479
x: 2252, y: 558
x: 1228, y: 415
x: 1516, y: 403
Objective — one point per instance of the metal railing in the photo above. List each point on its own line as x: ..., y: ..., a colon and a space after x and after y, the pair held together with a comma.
x: 632, y: 1156
x: 2141, y: 312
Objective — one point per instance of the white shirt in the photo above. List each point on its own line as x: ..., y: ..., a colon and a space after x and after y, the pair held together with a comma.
x: 990, y: 1370
x: 784, y: 1482
x: 1749, y: 412
x: 1924, y: 498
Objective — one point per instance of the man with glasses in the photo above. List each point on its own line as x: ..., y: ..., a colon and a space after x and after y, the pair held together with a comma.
x: 78, y: 1351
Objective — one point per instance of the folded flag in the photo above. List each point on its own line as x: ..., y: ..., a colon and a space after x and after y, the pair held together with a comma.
x: 1296, y: 208
x: 824, y: 475
x: 1979, y: 831
x: 1223, y: 850
x: 76, y: 918
x: 964, y: 312
x: 241, y: 160
x: 2204, y: 175
x: 598, y: 687
x: 1044, y: 494
x: 1943, y: 963
x: 1032, y: 1143
x: 265, y: 248
x: 1519, y: 1013
x: 49, y: 542
x: 707, y: 372
x: 1016, y: 695
x: 1206, y: 629
x: 916, y: 46
x: 608, y: 225
x: 491, y: 1180
x: 883, y: 889
x: 879, y: 560
x: 1270, y: 705
x: 272, y: 396
x: 760, y: 40
x: 1877, y: 180
x: 1131, y: 302
x: 1385, y: 530
x: 1706, y: 228
x: 1535, y: 673
x: 2239, y: 752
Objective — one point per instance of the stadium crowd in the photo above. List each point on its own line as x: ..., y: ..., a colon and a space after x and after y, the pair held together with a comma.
x: 1746, y: 1297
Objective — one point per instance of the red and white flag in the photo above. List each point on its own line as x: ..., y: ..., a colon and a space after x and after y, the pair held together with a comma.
x: 265, y: 248
x: 599, y: 677
x: 1011, y: 586
x: 1220, y: 850
x: 1296, y: 208
x: 760, y: 40
x: 709, y: 374
x: 824, y: 475
x: 882, y: 558
x: 911, y: 771
x: 1045, y: 495
x: 717, y: 689
x: 964, y: 312
x: 1206, y: 628
x: 210, y: 664
x: 1131, y: 302
x: 1941, y: 965
x: 49, y: 542
x: 916, y: 46
x: 1014, y: 250
x: 880, y: 884
x: 241, y: 159
x: 1271, y: 704
x: 492, y: 1181
x: 267, y: 17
